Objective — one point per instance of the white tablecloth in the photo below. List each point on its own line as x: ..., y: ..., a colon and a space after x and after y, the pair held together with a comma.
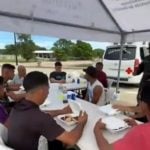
x: 69, y: 86
x: 87, y: 141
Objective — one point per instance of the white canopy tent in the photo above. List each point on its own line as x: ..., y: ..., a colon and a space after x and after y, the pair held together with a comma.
x: 95, y: 20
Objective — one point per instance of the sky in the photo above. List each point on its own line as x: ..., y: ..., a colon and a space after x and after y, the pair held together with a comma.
x: 43, y: 41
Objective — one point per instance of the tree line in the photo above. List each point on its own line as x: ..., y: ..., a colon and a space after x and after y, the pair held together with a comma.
x: 63, y: 49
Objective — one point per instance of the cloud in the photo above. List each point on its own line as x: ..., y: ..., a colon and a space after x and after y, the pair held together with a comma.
x: 101, y: 45
x: 2, y: 45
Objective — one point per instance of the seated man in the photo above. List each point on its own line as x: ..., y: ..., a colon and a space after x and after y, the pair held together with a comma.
x: 18, y: 78
x: 101, y: 75
x: 95, y: 91
x: 7, y: 72
x: 137, y: 138
x: 58, y: 76
x: 27, y: 122
x: 3, y: 98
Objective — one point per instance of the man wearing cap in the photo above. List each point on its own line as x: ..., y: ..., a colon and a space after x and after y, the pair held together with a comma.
x: 95, y: 90
x: 138, y: 137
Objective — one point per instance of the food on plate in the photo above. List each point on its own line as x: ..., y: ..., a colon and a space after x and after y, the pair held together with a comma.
x: 69, y: 118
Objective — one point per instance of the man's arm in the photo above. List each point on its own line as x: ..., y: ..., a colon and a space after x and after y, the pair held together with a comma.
x: 101, y: 141
x: 97, y: 92
x: 139, y: 70
x: 65, y: 110
x: 71, y: 138
x: 13, y: 87
x: 123, y: 108
x: 16, y: 97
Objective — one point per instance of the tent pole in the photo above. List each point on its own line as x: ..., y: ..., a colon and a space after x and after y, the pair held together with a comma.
x: 122, y: 41
x: 16, y: 51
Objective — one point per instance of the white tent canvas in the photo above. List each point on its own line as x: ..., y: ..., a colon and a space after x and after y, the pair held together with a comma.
x: 95, y: 20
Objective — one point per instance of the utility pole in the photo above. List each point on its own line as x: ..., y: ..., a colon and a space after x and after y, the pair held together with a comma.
x: 16, y: 51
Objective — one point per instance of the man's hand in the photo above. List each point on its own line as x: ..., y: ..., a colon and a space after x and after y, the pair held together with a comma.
x: 99, y: 125
x: 16, y: 97
x: 66, y: 110
x: 131, y: 122
x: 12, y: 95
x: 100, y: 139
x: 83, y: 117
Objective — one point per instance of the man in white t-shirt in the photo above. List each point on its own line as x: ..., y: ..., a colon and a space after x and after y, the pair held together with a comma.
x: 95, y: 90
x: 18, y: 79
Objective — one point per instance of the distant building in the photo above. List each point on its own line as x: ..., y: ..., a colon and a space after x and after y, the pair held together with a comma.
x: 44, y: 54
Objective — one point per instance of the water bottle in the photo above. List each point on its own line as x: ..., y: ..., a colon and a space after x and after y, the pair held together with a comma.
x: 65, y: 100
x: 73, y: 80
x: 78, y: 81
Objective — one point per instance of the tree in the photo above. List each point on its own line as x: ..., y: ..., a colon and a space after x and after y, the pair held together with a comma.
x: 23, y: 37
x: 27, y: 49
x: 98, y: 53
x: 40, y: 48
x: 10, y: 49
x: 83, y: 50
x: 26, y: 46
x: 63, y: 49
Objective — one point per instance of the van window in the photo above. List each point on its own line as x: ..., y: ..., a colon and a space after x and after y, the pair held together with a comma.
x: 113, y: 53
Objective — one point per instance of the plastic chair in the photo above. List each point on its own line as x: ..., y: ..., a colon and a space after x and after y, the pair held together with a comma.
x: 110, y: 82
x: 109, y: 95
x: 3, y: 147
x: 43, y: 144
x: 3, y: 138
x: 3, y: 133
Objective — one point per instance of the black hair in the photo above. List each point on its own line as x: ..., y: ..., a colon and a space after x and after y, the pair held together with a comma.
x: 8, y: 66
x: 91, y: 71
x: 99, y: 63
x: 1, y: 80
x: 35, y: 79
x: 58, y: 63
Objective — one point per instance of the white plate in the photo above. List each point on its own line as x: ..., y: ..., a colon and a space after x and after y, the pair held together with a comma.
x: 114, y: 124
x: 109, y: 110
x: 68, y: 123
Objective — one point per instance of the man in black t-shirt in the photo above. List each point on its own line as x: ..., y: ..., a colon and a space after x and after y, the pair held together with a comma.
x: 27, y: 122
x: 58, y: 76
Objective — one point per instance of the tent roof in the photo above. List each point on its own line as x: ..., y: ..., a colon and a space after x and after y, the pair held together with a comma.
x: 96, y: 20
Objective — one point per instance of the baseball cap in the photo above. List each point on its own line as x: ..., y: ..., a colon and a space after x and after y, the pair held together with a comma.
x: 91, y: 71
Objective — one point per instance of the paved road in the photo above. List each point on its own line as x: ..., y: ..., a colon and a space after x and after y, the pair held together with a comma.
x: 128, y: 94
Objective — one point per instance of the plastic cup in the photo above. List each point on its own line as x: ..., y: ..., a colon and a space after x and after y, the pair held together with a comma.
x: 73, y: 96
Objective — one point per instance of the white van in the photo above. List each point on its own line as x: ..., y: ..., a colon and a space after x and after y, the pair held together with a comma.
x: 131, y: 58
